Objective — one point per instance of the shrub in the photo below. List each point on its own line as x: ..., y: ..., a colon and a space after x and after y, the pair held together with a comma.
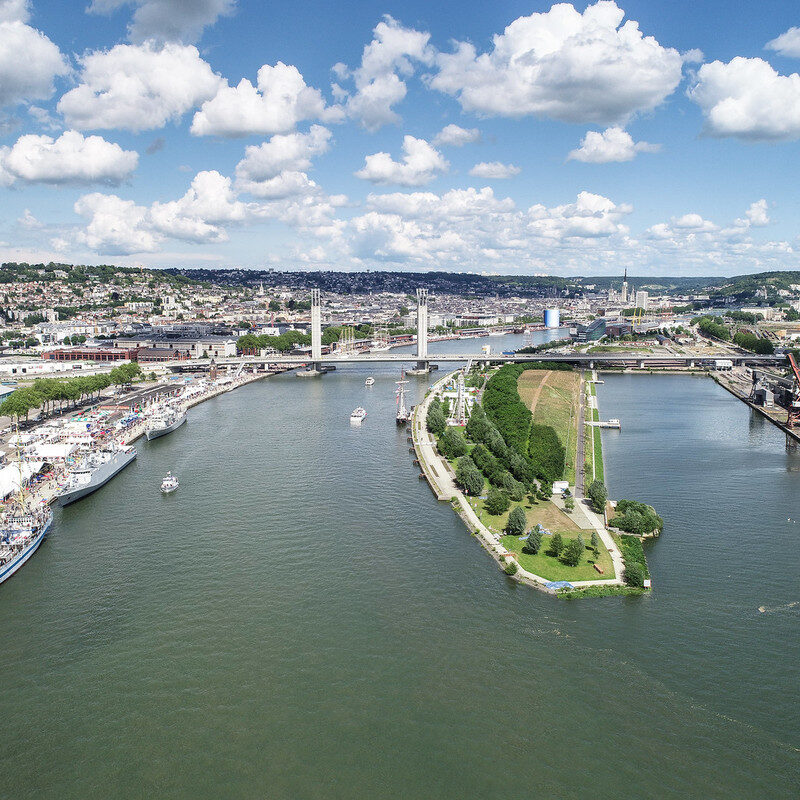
x: 598, y: 494
x: 511, y: 568
x: 571, y: 554
x: 556, y: 545
x: 496, y: 503
x: 516, y: 521
x: 634, y: 574
x: 468, y: 476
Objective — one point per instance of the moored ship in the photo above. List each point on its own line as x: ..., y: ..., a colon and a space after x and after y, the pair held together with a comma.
x: 96, y: 470
x: 403, y: 414
x: 20, y: 537
x: 165, y: 422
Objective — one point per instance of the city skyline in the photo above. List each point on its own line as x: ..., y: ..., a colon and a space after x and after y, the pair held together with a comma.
x: 527, y: 138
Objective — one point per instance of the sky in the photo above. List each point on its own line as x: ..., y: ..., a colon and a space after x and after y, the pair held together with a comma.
x: 501, y: 138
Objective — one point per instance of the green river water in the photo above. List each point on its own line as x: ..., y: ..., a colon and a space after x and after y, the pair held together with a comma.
x: 302, y: 619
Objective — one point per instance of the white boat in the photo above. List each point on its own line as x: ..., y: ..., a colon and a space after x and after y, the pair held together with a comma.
x: 358, y: 416
x: 169, y: 484
x: 20, y: 537
x: 369, y: 381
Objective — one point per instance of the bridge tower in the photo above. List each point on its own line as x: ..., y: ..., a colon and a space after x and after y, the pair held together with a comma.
x: 422, y: 333
x: 316, y: 328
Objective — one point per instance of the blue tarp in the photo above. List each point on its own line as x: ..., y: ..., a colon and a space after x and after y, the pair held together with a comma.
x: 559, y: 585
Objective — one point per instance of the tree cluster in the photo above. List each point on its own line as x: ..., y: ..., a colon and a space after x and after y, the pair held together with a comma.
x: 45, y: 392
x: 598, y: 494
x: 637, y: 518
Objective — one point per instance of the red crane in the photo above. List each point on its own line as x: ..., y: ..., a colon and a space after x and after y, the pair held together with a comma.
x: 794, y: 404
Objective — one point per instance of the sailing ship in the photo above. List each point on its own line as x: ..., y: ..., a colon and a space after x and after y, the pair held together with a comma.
x: 403, y: 414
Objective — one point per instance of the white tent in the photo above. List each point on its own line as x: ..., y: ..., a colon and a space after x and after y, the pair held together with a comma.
x: 52, y: 451
x: 10, y: 476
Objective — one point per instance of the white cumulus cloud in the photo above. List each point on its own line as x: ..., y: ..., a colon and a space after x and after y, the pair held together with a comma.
x: 421, y: 163
x: 612, y: 144
x: 283, y: 153
x: 71, y: 158
x: 565, y: 65
x: 276, y: 104
x: 393, y: 52
x: 167, y: 20
x: 456, y: 136
x: 138, y: 87
x: 29, y: 61
x: 787, y: 44
x: 748, y: 99
x: 494, y: 170
x: 115, y: 226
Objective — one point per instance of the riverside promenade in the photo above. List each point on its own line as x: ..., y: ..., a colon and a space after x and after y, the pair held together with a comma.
x: 442, y: 482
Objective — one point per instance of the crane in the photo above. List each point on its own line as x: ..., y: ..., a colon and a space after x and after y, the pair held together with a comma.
x: 794, y: 404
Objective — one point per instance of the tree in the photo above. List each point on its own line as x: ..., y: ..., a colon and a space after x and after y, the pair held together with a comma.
x: 274, y: 305
x: 556, y: 545
x: 516, y: 522
x: 534, y: 543
x: 452, y: 444
x: 595, y: 541
x: 497, y: 502
x: 571, y: 554
x: 634, y: 574
x: 435, y: 419
x: 598, y: 494
x: 468, y: 476
x: 569, y: 503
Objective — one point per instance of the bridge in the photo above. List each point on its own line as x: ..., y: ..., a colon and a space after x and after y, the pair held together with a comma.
x: 590, y: 361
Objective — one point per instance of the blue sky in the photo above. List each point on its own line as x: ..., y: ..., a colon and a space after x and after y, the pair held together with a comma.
x: 509, y: 137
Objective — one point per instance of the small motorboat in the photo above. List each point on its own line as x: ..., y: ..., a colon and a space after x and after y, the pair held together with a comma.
x: 169, y: 484
x: 358, y: 416
x: 369, y: 381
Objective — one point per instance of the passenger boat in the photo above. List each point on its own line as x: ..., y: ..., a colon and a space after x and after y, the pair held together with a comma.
x: 20, y: 537
x: 169, y: 484
x: 369, y: 381
x: 358, y: 416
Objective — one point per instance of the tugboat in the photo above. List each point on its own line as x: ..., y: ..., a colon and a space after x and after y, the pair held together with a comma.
x: 169, y: 484
x: 403, y: 414
x: 358, y: 416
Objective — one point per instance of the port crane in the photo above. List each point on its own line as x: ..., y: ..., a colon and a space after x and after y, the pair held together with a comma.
x: 794, y: 404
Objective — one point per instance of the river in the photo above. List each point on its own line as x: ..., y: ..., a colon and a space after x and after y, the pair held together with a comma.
x: 302, y: 619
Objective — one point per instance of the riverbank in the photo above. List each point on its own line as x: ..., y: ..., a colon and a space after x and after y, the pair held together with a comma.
x: 439, y: 474
x: 47, y: 491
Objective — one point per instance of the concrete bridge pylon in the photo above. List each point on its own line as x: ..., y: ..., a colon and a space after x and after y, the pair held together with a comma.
x: 423, y: 366
x: 315, y: 367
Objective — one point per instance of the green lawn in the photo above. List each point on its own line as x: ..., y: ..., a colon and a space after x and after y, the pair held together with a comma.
x: 551, y: 568
x: 544, y: 511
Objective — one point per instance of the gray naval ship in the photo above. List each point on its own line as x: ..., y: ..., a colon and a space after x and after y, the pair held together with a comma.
x: 96, y: 470
x: 165, y: 422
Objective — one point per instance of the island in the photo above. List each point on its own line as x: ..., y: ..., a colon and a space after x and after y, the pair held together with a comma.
x: 516, y: 449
